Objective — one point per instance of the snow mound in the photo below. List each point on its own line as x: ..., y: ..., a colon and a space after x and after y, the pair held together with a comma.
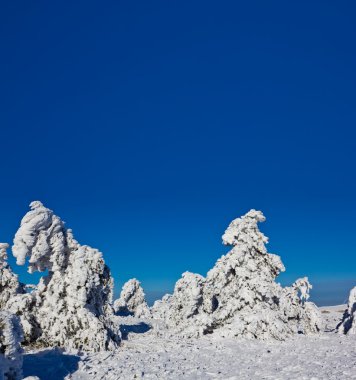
x: 10, y: 347
x: 348, y: 325
x: 71, y: 306
x: 132, y: 300
x: 239, y: 296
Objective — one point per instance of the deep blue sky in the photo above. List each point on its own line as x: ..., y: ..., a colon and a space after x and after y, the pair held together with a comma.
x: 149, y: 125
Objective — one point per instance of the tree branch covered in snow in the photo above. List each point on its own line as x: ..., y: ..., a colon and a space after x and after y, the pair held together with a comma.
x: 42, y: 238
x: 302, y: 286
x: 239, y: 296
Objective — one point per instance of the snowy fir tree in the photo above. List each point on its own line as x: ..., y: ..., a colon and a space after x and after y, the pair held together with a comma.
x: 71, y: 306
x: 239, y: 296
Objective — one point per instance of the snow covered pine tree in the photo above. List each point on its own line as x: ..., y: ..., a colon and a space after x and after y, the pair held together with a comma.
x: 239, y: 296
x: 71, y: 306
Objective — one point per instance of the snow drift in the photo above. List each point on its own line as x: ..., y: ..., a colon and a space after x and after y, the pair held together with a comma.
x: 71, y: 306
x: 239, y: 296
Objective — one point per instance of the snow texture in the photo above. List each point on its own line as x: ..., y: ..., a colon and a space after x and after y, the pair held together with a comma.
x: 239, y: 296
x: 132, y: 300
x: 144, y: 355
x: 10, y: 347
x: 326, y: 356
x: 348, y: 325
x: 71, y: 306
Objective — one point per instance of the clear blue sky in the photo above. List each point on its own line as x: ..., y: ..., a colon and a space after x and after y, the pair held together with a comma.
x: 149, y: 125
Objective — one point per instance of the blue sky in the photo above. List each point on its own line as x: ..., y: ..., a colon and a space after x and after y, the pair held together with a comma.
x: 149, y: 126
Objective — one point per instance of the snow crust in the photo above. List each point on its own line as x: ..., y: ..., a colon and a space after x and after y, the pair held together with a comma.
x: 71, y: 306
x: 348, y: 325
x: 132, y: 300
x: 10, y: 347
x: 239, y: 296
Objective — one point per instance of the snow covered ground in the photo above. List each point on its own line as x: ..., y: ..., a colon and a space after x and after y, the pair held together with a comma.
x: 144, y: 355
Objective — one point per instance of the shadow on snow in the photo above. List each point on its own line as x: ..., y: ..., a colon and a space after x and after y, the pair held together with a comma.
x: 140, y: 328
x: 55, y: 364
x: 51, y: 364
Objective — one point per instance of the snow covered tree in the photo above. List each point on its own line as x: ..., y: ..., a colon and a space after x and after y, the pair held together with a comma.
x: 10, y: 347
x: 348, y: 325
x: 306, y: 314
x: 239, y: 296
x: 180, y: 310
x: 132, y: 300
x: 9, y: 283
x: 71, y: 306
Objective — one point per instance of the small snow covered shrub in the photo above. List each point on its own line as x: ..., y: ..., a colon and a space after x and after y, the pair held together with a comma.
x: 132, y: 300
x: 181, y: 310
x: 348, y: 325
x: 308, y: 316
x: 10, y: 347
x: 239, y: 296
x: 70, y: 307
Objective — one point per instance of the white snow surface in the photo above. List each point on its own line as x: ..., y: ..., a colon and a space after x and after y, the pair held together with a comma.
x: 144, y: 355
